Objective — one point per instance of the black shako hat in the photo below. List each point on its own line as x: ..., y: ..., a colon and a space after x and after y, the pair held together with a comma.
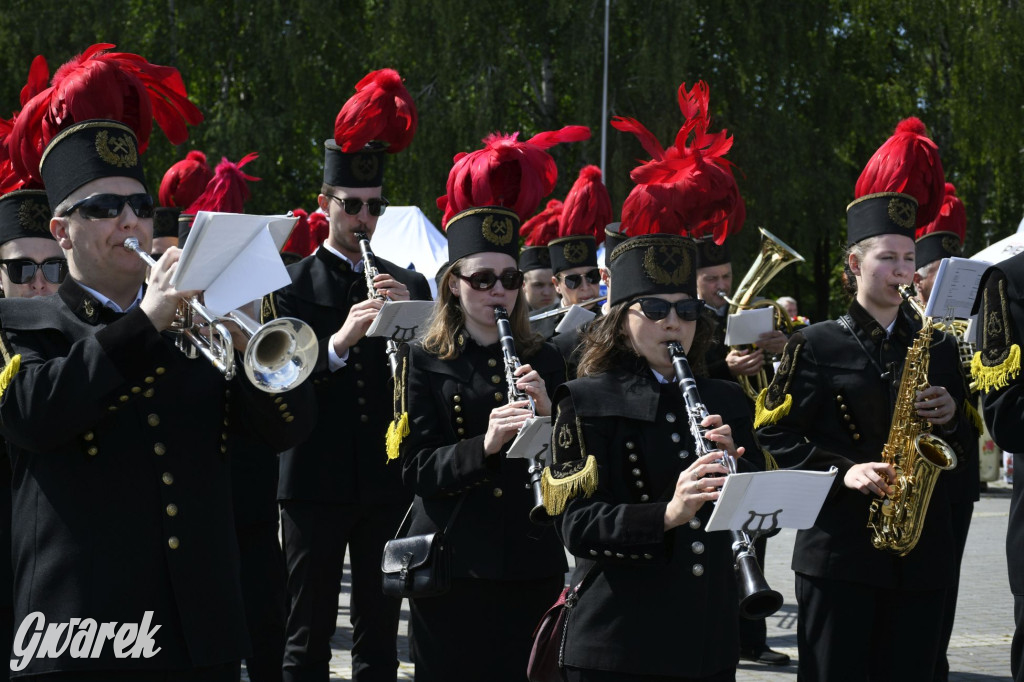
x: 483, y: 229
x: 880, y: 213
x: 936, y: 246
x: 165, y: 221
x: 534, y: 258
x: 652, y: 264
x: 88, y: 151
x: 364, y: 168
x: 613, y: 236
x: 710, y: 254
x: 24, y: 213
x: 574, y: 251
x: 185, y: 221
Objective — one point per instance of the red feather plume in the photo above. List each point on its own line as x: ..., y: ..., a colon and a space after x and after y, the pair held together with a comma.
x: 100, y: 84
x: 688, y: 188
x: 506, y: 172
x: 588, y: 207
x: 227, y: 192
x: 952, y: 217
x: 381, y: 110
x: 543, y: 227
x: 10, y: 180
x: 185, y: 180
x: 907, y: 162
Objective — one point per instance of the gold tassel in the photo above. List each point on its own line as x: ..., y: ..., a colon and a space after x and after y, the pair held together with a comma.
x: 557, y: 492
x: 769, y: 462
x: 765, y: 417
x: 999, y: 376
x: 8, y: 373
x: 397, y: 430
x: 973, y: 415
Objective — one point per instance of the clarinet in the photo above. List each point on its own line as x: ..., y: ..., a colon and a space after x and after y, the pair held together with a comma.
x: 370, y: 271
x: 508, y: 351
x: 757, y: 599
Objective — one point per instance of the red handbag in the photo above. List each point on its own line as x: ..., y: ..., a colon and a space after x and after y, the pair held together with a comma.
x: 546, y: 656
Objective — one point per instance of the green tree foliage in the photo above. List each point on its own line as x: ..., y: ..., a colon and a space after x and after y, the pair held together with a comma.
x: 808, y: 89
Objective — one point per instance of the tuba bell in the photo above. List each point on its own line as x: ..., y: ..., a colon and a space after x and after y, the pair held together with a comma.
x: 775, y: 255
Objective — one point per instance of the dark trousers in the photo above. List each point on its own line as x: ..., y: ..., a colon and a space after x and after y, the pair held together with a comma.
x: 1017, y: 645
x: 480, y: 630
x: 961, y: 514
x: 854, y: 632
x: 263, y: 577
x: 315, y: 538
x: 227, y: 672
x: 581, y: 675
x: 754, y: 633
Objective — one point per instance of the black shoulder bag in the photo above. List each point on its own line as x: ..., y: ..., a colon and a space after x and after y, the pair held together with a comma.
x: 418, y: 565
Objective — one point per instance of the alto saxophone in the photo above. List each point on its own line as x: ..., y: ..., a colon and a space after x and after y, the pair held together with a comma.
x: 917, y: 456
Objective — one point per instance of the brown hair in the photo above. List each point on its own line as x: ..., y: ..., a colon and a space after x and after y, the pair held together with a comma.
x: 447, y: 320
x: 606, y: 346
x: 858, y: 251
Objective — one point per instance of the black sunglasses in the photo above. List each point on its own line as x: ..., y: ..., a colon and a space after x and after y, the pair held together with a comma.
x: 574, y: 281
x: 688, y: 309
x: 22, y: 270
x: 104, y: 206
x: 353, y: 206
x: 486, y: 279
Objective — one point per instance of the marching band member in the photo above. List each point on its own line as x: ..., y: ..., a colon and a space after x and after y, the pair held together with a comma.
x: 831, y: 404
x: 336, y: 490
x: 506, y: 571
x: 535, y: 259
x: 996, y: 369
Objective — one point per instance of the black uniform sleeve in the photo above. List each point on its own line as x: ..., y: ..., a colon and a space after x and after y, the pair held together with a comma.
x: 599, y: 524
x: 77, y: 390
x: 996, y: 366
x: 432, y: 465
x: 791, y: 407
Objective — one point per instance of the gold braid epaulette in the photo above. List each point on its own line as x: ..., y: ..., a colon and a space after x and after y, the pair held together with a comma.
x: 765, y: 417
x: 997, y: 376
x: 8, y: 373
x: 556, y: 492
x: 398, y: 429
x: 972, y: 414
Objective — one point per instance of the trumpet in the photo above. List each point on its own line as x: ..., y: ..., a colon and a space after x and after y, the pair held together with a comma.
x: 757, y: 599
x: 558, y: 311
x: 370, y: 271
x: 278, y: 356
x: 508, y: 351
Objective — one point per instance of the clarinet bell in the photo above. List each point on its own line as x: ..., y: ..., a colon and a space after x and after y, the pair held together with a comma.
x: 757, y: 599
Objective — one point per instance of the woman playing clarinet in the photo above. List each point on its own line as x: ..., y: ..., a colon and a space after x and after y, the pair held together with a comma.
x: 506, y: 570
x: 657, y: 597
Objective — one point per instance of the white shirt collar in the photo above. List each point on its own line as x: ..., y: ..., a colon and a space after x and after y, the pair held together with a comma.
x: 356, y: 267
x: 108, y: 303
x: 661, y: 378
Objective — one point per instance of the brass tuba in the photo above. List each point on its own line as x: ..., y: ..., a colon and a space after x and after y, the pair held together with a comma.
x: 774, y: 256
x: 917, y: 456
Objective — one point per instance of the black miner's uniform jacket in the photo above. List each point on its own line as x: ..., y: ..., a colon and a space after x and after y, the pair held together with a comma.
x: 450, y: 402
x: 121, y: 478
x: 655, y: 602
x: 840, y: 416
x: 343, y: 461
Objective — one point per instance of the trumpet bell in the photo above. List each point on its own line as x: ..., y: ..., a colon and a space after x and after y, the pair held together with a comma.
x: 280, y: 355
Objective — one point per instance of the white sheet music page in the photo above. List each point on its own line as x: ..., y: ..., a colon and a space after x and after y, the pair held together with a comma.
x: 955, y: 287
x: 533, y: 440
x: 761, y: 499
x: 402, y: 321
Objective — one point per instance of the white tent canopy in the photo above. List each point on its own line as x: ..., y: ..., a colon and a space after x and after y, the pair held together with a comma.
x: 406, y: 237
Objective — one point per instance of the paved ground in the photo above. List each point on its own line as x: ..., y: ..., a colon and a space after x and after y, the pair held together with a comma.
x: 979, y: 650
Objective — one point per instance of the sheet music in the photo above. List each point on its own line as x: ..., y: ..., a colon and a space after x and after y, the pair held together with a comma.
x: 533, y: 440
x: 745, y: 326
x: 574, y: 318
x: 955, y: 287
x: 402, y: 321
x: 789, y: 499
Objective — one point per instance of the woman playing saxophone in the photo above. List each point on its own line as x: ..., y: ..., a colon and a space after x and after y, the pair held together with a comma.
x: 867, y: 614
